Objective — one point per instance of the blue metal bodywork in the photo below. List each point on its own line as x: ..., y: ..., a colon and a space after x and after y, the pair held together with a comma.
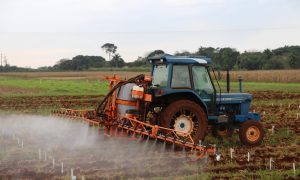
x: 243, y: 100
x: 239, y: 103
x: 169, y: 59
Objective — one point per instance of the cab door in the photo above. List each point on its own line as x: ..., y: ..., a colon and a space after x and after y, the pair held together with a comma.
x: 203, y: 86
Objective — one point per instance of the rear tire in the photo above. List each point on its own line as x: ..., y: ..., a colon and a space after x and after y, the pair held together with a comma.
x: 186, y: 108
x: 251, y: 133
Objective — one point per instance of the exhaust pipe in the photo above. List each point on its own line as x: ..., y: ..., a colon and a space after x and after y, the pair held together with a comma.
x: 228, y: 80
x: 240, y: 84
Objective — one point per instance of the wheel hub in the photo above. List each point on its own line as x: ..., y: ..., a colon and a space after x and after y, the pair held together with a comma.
x: 252, y: 133
x: 184, y: 125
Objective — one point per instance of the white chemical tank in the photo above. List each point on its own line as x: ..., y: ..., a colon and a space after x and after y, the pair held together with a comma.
x: 125, y: 93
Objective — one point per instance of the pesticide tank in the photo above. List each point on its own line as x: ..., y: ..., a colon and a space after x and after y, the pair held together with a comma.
x: 125, y: 94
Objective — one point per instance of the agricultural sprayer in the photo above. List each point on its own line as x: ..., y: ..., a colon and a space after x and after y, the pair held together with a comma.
x: 176, y: 104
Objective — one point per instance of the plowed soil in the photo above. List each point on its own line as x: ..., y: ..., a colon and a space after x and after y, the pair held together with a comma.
x: 43, y: 102
x: 281, y: 145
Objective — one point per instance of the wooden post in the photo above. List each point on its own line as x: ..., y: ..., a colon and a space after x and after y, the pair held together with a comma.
x: 40, y: 154
x: 62, y: 167
x: 231, y: 153
x: 271, y: 160
x: 294, y: 169
x: 248, y: 156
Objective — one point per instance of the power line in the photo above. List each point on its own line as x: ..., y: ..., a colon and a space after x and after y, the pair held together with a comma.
x: 207, y: 30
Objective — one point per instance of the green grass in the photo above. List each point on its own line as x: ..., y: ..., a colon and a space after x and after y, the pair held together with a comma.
x: 275, y: 102
x: 37, y: 87
x: 262, y: 86
x: 283, y: 135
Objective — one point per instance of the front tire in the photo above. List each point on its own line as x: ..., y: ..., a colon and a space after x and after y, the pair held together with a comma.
x: 251, y: 133
x: 180, y: 113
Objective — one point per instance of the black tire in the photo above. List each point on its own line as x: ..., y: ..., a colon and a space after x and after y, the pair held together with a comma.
x: 251, y: 133
x: 183, y: 107
x: 222, y: 131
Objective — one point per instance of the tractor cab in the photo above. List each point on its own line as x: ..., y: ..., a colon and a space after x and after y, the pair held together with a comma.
x: 190, y: 80
x: 186, y: 76
x: 192, y: 77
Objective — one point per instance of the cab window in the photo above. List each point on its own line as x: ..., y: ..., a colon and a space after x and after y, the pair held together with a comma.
x: 180, y: 77
x: 202, y: 83
x: 160, y: 75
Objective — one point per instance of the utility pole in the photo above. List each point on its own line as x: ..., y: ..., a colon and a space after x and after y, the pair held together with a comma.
x: 1, y: 63
x: 5, y: 63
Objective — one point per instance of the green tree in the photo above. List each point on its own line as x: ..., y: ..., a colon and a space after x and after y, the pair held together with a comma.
x: 267, y: 54
x: 251, y: 60
x: 287, y: 50
x: 80, y: 62
x: 109, y: 49
x: 64, y: 64
x: 207, y: 51
x: 117, y: 61
x: 139, y: 62
x: 226, y: 58
x: 276, y: 62
x: 294, y: 61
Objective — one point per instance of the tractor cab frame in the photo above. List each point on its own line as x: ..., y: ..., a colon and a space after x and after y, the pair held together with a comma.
x: 184, y: 76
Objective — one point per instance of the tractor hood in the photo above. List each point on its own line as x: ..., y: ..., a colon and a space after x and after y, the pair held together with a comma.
x: 233, y: 98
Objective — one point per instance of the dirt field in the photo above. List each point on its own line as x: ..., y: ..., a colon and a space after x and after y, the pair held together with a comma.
x: 92, y: 156
x: 279, y: 112
x: 28, y: 153
x: 48, y: 103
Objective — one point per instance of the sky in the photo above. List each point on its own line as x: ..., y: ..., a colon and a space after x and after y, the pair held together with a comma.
x: 36, y: 33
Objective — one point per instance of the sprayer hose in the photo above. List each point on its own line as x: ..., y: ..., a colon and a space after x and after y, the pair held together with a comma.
x: 100, y: 107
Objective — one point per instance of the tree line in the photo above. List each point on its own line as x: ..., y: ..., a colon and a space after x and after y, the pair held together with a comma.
x: 287, y: 57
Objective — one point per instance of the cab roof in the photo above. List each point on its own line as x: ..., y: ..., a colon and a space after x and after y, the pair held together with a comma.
x: 167, y: 58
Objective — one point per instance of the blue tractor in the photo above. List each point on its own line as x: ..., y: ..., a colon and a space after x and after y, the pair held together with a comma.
x: 187, y: 97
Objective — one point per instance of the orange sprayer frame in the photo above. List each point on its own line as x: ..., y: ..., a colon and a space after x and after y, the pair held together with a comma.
x: 113, y: 122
